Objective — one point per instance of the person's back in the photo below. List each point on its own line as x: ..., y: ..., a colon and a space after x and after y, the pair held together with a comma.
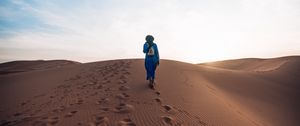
x: 151, y: 59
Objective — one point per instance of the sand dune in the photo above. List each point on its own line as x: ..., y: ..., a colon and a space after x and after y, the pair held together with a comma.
x: 255, y: 64
x: 244, y: 92
x: 23, y: 66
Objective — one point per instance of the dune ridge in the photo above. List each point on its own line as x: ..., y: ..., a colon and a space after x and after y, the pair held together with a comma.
x: 244, y: 92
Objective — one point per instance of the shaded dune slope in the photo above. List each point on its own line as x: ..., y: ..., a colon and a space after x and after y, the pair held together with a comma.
x: 268, y: 88
x: 116, y: 93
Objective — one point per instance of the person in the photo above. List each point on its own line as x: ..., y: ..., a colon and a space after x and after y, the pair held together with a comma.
x: 151, y: 59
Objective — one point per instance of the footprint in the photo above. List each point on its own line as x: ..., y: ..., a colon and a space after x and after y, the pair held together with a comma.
x: 70, y: 114
x: 169, y: 109
x: 52, y: 121
x: 26, y: 102
x: 122, y: 81
x: 126, y: 73
x: 26, y: 118
x: 59, y: 109
x: 112, y: 75
x: 83, y: 86
x: 62, y: 107
x: 124, y: 108
x: 105, y: 81
x: 123, y: 77
x: 23, y: 103
x: 100, y: 121
x: 93, y: 94
x: 106, y: 109
x: 107, y: 90
x: 99, y: 87
x: 124, y: 88
x: 126, y: 122
x: 79, y: 101
x: 5, y: 123
x: 40, y: 123
x: 122, y: 96
x: 211, y: 88
x: 116, y: 72
x: 123, y: 70
x: 159, y: 100
x: 126, y: 95
x: 158, y: 93
x: 40, y: 95
x: 103, y: 100
x: 17, y: 114
x: 37, y: 111
x: 200, y: 121
x: 91, y: 83
x: 62, y: 97
x: 168, y: 120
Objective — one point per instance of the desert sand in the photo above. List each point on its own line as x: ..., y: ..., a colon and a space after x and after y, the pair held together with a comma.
x: 242, y: 92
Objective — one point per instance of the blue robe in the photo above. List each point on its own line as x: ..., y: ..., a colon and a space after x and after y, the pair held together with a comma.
x: 151, y: 61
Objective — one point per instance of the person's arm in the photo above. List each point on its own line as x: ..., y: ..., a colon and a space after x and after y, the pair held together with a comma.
x: 157, y: 55
x: 145, y: 49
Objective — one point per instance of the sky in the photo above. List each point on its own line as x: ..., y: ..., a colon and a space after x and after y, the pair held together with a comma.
x: 192, y: 31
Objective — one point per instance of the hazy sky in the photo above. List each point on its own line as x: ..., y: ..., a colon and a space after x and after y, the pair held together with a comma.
x: 186, y: 30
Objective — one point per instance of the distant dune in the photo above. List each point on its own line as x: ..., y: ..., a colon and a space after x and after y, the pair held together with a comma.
x: 256, y: 64
x: 242, y: 92
x: 23, y: 66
